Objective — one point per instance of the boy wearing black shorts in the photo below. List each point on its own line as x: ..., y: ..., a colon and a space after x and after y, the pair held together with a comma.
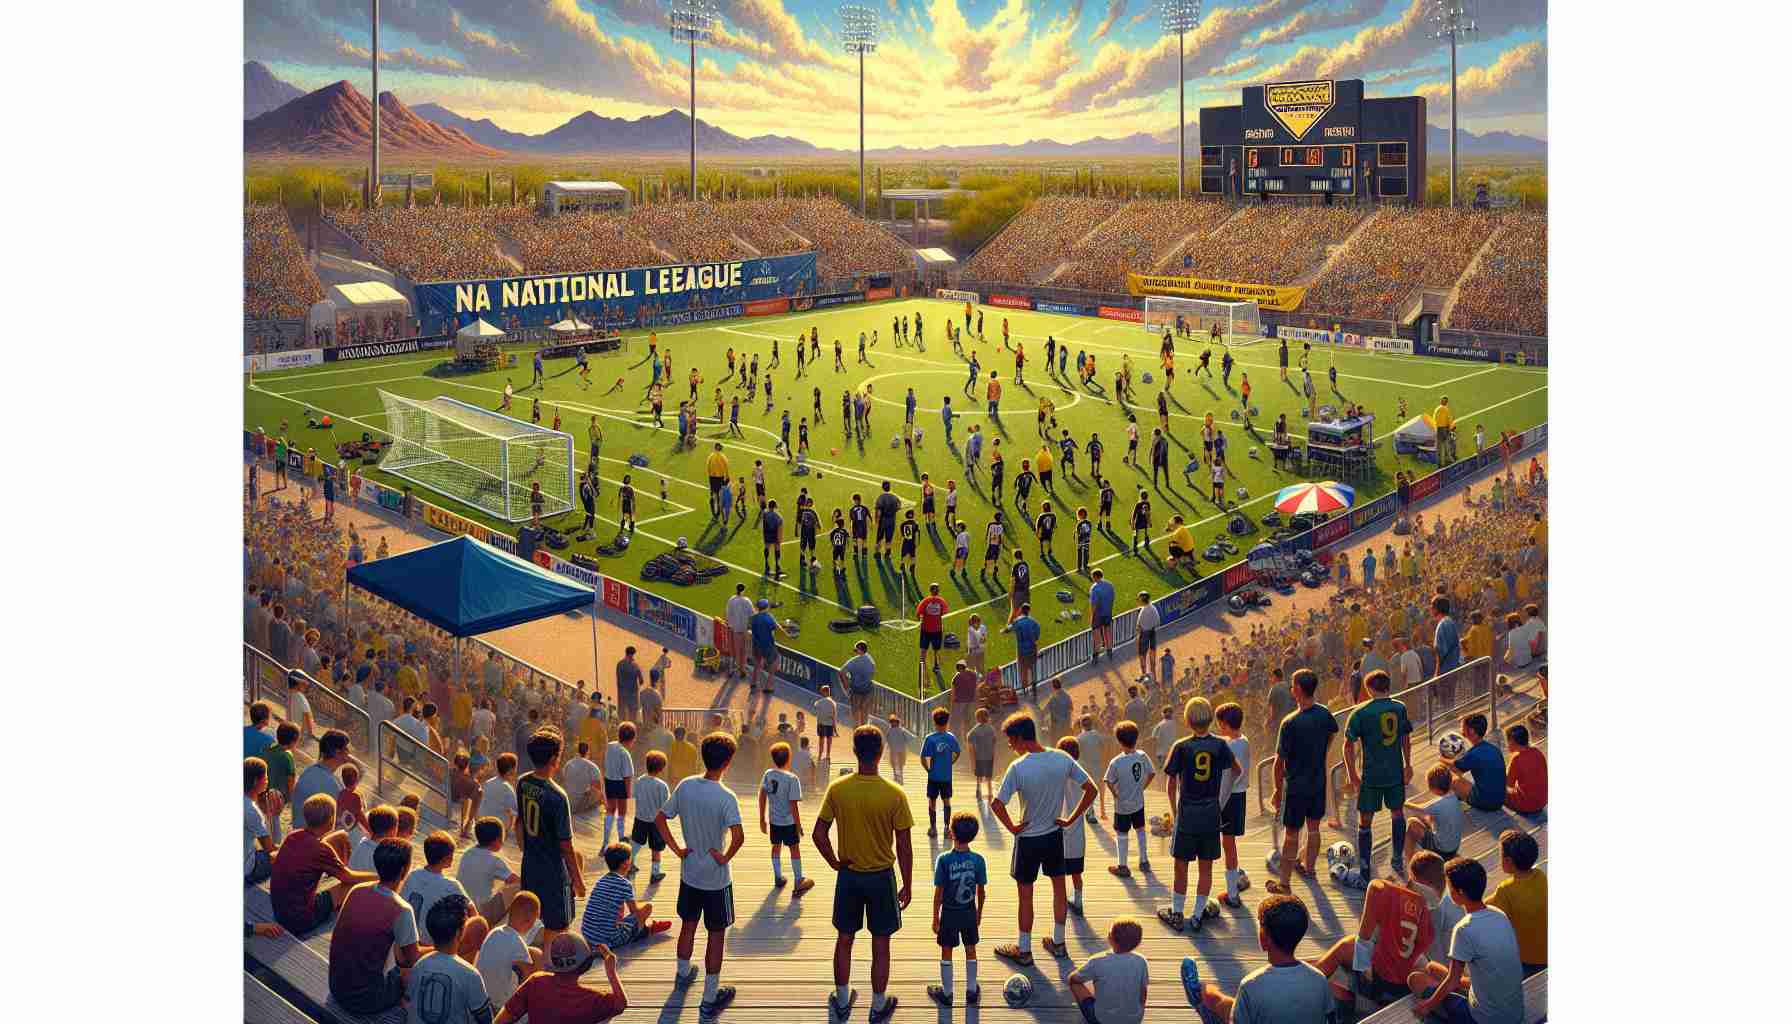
x: 807, y: 523
x: 1302, y: 743
x: 1085, y: 530
x: 1106, y: 509
x: 860, y: 516
x: 625, y: 501
x: 1046, y: 525
x: 1196, y: 770
x: 712, y: 833
x: 1128, y: 776
x: 550, y: 864
x: 960, y: 881
x: 837, y: 540
x: 779, y: 791
x: 909, y: 530
x: 651, y: 794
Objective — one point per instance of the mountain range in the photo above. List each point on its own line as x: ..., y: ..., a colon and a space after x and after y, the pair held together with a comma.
x: 336, y: 120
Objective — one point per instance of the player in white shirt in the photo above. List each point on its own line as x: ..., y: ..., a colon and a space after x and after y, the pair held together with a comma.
x: 961, y: 544
x: 1040, y: 777
x: 779, y: 791
x: 497, y: 797
x: 992, y: 542
x: 1128, y: 775
x: 708, y: 811
x: 826, y: 713
x: 505, y: 958
x: 619, y: 777
x: 1076, y: 834
x: 483, y: 871
x: 651, y: 794
x: 1228, y: 725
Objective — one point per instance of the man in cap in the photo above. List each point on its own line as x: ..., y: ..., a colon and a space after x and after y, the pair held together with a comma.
x: 556, y: 995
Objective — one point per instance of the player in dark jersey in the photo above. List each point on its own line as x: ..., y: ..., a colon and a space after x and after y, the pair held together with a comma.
x: 1045, y: 526
x: 837, y: 540
x: 1023, y: 486
x: 887, y: 505
x: 1067, y: 452
x: 839, y: 363
x: 802, y: 435
x: 807, y: 523
x: 1094, y: 448
x: 1106, y: 509
x: 992, y: 543
x: 1195, y: 773
x: 1226, y: 369
x: 625, y: 501
x: 771, y: 525
x: 860, y: 517
x: 1085, y: 531
x: 996, y: 468
x: 1384, y: 733
x: 1303, y: 741
x: 927, y: 499
x: 544, y: 816
x: 846, y: 417
x: 1206, y: 358
x: 909, y: 530
x: 1141, y: 522
x: 1163, y: 409
x: 1020, y: 584
x: 818, y: 416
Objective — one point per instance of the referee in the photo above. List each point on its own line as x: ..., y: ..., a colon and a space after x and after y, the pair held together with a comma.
x: 874, y: 821
x: 718, y: 476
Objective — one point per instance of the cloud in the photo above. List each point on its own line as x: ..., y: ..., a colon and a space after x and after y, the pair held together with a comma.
x: 1120, y: 73
x: 1517, y: 82
x: 974, y: 51
x: 1400, y: 43
x: 1116, y: 8
x: 1320, y: 20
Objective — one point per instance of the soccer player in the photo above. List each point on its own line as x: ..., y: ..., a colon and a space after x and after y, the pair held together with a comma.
x: 808, y: 522
x: 993, y: 394
x: 1085, y: 530
x: 1302, y: 742
x: 1226, y: 368
x: 779, y: 792
x: 839, y: 364
x: 1040, y: 777
x: 539, y: 377
x: 709, y: 811
x: 996, y: 469
x: 1229, y: 724
x: 584, y: 368
x: 1389, y: 945
x: 909, y: 530
x: 771, y: 524
x: 1106, y: 508
x: 1383, y: 732
x: 1282, y: 358
x: 862, y: 358
x: 874, y: 843
x: 837, y: 541
x: 1194, y: 774
x: 992, y: 543
x: 886, y: 507
x: 1128, y: 776
x: 1067, y: 452
x: 860, y: 516
x: 625, y: 503
x: 939, y: 752
x: 960, y: 881
x: 1203, y: 367
x: 1046, y: 525
x: 551, y: 867
x: 1023, y: 486
x: 1163, y: 409
x: 932, y: 612
x: 1141, y: 522
x: 1132, y: 441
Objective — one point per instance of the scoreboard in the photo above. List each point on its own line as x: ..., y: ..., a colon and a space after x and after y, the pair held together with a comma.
x: 1314, y: 140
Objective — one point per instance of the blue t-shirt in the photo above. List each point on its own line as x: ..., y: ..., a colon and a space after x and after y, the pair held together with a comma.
x: 764, y: 627
x: 1101, y: 598
x: 908, y: 404
x: 940, y: 746
x: 959, y: 873
x: 255, y: 741
x: 1449, y: 648
x: 1026, y: 634
x: 860, y: 670
x: 1484, y: 763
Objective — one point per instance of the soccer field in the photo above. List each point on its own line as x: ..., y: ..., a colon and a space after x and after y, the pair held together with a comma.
x: 1496, y: 397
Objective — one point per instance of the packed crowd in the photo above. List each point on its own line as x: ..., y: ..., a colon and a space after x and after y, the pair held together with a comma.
x: 1135, y: 239
x: 1270, y: 244
x: 1040, y: 237
x: 278, y: 282
x: 1509, y: 290
x: 573, y: 242
x: 690, y: 231
x: 1402, y: 250
x: 429, y: 243
x: 846, y: 245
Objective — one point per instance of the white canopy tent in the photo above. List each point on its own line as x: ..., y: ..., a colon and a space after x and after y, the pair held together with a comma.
x: 1416, y: 435
x: 368, y: 298
x: 470, y: 338
x: 571, y: 325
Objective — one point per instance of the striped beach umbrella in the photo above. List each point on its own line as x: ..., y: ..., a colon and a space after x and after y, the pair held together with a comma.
x: 1324, y: 496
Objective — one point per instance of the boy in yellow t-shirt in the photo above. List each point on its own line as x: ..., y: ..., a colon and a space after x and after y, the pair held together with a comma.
x: 1524, y: 898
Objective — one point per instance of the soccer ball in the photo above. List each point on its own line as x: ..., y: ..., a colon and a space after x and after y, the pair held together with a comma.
x: 833, y: 452
x: 1339, y: 872
x: 1017, y: 991
x: 1253, y: 451
x: 1234, y: 414
x: 1243, y: 494
x: 1451, y: 746
x: 1340, y: 855
x: 1274, y: 862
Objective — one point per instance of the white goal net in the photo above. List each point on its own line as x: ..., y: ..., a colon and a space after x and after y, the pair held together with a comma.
x: 1237, y: 322
x: 483, y: 458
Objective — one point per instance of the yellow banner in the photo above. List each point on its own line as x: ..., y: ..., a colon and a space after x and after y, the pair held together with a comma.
x: 448, y: 522
x: 1280, y: 298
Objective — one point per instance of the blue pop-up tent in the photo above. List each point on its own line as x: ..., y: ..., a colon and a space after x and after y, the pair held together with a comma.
x: 466, y: 588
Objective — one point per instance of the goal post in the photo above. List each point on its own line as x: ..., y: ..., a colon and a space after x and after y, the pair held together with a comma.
x: 1238, y: 322
x: 479, y: 457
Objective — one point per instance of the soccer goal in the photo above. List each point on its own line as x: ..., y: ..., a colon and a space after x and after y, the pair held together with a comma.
x: 483, y: 458
x: 1238, y: 322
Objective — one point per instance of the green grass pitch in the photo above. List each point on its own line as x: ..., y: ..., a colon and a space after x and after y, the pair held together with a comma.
x: 1498, y: 397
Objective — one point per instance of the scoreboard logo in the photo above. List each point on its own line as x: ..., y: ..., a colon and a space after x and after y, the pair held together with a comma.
x: 1297, y: 106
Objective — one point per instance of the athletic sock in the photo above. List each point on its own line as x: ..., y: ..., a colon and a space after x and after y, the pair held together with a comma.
x: 1231, y: 883
x: 946, y: 976
x: 1025, y: 942
x: 1398, y: 849
x: 684, y: 968
x: 877, y: 1001
x: 1058, y: 932
x: 1365, y: 840
x: 841, y: 995
x: 1076, y: 897
x: 970, y: 975
x: 608, y: 819
x: 1121, y: 841
x: 946, y: 813
x: 634, y: 850
x: 711, y: 982
x: 796, y: 866
x: 777, y: 864
x: 1178, y: 901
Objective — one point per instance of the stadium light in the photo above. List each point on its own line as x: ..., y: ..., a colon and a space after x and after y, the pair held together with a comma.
x: 859, y: 27
x: 371, y: 194
x: 693, y: 22
x: 1180, y: 17
x: 1452, y: 19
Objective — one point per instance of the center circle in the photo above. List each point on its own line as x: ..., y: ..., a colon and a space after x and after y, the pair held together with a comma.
x: 977, y: 406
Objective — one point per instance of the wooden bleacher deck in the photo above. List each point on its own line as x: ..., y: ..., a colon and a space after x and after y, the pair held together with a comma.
x: 780, y: 949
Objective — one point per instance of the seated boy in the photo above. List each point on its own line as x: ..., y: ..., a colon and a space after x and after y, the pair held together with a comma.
x: 1527, y: 775
x: 612, y: 917
x: 1524, y: 898
x: 505, y: 958
x: 1481, y: 771
x: 1483, y: 958
x: 1120, y: 978
x: 1437, y: 824
x: 1285, y: 989
x: 1388, y: 947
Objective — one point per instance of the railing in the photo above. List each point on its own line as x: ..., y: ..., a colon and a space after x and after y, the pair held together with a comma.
x: 265, y: 679
x: 413, y: 761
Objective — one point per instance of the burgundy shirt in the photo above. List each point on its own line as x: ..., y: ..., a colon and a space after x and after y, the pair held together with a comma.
x: 300, y: 863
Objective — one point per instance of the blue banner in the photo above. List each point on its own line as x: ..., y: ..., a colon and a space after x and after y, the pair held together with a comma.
x: 1062, y: 307
x: 804, y: 671
x: 823, y: 301
x: 674, y: 619
x: 1191, y: 598
x: 638, y: 295
x: 1375, y: 511
x: 673, y: 318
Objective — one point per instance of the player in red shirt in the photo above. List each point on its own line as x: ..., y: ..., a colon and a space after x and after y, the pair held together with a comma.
x: 932, y: 613
x: 1397, y: 924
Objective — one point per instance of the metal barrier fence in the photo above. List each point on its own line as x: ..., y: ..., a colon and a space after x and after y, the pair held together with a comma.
x: 1443, y: 699
x: 266, y: 679
x: 408, y: 760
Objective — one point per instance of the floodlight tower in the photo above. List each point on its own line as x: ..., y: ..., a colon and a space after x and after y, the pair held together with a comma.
x: 373, y: 173
x: 693, y: 22
x: 1180, y: 17
x: 859, y: 27
x: 1452, y: 19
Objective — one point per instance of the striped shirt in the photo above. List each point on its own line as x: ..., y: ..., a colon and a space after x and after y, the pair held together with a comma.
x: 604, y: 906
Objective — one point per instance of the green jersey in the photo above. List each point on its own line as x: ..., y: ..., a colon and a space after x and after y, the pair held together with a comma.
x: 1379, y: 726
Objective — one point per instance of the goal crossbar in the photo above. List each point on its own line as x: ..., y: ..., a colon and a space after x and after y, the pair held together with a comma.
x: 1237, y: 323
x: 478, y: 456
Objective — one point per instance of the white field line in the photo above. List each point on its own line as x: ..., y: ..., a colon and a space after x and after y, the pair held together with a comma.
x: 333, y: 387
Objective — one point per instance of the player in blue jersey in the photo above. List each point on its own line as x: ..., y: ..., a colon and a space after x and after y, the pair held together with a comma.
x: 960, y: 886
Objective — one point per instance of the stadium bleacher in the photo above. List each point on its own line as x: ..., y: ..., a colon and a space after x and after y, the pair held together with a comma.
x: 278, y: 282
x: 1039, y: 238
x: 1401, y: 250
x: 1509, y: 290
x: 1135, y: 239
x: 1269, y: 244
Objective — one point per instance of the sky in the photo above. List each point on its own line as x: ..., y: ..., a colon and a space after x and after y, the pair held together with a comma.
x: 945, y: 71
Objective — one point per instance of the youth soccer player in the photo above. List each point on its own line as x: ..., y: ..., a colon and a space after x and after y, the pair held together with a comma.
x: 625, y: 503
x: 1193, y: 773
x: 1085, y: 531
x: 1383, y: 732
x: 960, y: 883
x: 1229, y: 726
x: 909, y: 530
x: 807, y: 523
x: 932, y: 612
x: 961, y: 547
x: 1128, y: 776
x: 837, y: 541
x: 939, y: 752
x: 860, y: 515
x: 779, y: 791
x: 1045, y: 526
x: 712, y: 831
x: 551, y: 867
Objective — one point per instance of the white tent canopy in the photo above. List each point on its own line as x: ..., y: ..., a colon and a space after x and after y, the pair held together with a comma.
x: 479, y: 330
x: 570, y: 325
x: 368, y: 298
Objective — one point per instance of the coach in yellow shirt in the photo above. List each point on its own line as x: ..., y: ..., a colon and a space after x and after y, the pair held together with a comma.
x: 1182, y: 542
x: 718, y: 476
x: 874, y: 823
x: 1445, y: 422
x: 681, y: 759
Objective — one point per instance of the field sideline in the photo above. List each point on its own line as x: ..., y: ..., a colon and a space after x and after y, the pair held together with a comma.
x: 1498, y: 397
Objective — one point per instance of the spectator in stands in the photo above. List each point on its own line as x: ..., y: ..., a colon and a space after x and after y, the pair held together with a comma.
x: 423, y: 889
x: 1484, y: 948
x: 484, y: 874
x: 1436, y: 825
x: 376, y: 927
x: 257, y: 735
x: 382, y: 824
x: 1527, y: 776
x: 298, y: 706
x: 282, y: 768
x: 1446, y: 640
x: 1285, y: 989
x: 443, y: 988
x: 320, y: 775
x: 1524, y: 898
x: 258, y: 845
x: 303, y: 860
x: 505, y: 957
x: 583, y: 781
x: 612, y: 917
x: 554, y: 996
x: 1481, y: 771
